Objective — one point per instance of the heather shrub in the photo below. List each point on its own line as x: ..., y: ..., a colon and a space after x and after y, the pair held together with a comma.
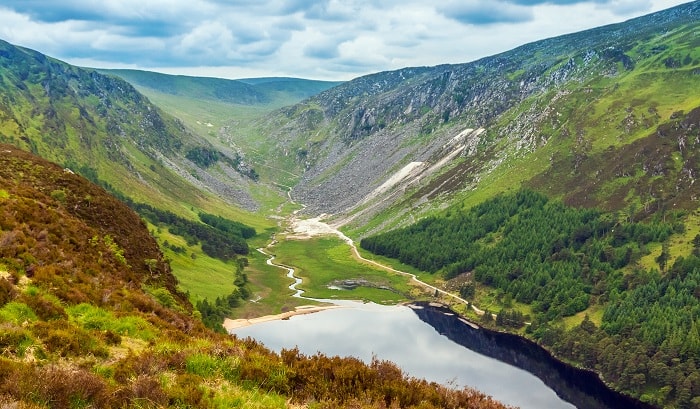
x: 62, y: 338
x: 148, y: 392
x: 134, y: 365
x: 44, y: 308
x: 7, y: 291
x: 111, y: 338
x: 14, y: 340
x: 60, y: 388
x: 186, y: 391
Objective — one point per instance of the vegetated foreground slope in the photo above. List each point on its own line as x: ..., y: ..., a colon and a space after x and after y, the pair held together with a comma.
x: 89, y: 317
x: 545, y: 106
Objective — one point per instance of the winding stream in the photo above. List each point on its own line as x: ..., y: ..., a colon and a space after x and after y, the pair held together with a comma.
x: 290, y: 273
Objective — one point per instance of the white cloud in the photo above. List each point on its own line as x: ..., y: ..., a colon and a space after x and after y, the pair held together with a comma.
x: 328, y: 39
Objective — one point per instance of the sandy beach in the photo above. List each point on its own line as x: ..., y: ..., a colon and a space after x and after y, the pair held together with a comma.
x: 230, y: 324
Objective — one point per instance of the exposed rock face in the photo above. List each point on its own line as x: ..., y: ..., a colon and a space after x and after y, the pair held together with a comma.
x: 352, y: 138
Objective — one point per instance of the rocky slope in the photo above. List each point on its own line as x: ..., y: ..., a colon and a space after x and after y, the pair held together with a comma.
x: 558, y: 100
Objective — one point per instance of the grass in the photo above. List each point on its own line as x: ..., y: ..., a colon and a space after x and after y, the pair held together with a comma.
x: 17, y: 313
x: 321, y: 262
x: 199, y: 114
x: 232, y: 396
x: 679, y: 244
x: 270, y: 289
x: 201, y: 276
x: 208, y: 366
x: 94, y: 318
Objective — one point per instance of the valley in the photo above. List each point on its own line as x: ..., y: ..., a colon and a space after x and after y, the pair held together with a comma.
x: 549, y: 192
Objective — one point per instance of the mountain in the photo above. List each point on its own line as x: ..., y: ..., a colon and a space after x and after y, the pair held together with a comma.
x: 272, y: 91
x: 555, y: 184
x: 90, y: 317
x: 416, y: 139
x: 102, y: 127
x: 211, y: 107
x: 568, y: 165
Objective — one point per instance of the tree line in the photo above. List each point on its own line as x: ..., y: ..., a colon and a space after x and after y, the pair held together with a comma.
x: 223, y: 240
x: 561, y: 260
x: 220, y: 238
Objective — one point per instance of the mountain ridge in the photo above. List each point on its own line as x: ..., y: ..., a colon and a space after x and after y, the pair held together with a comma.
x: 246, y: 91
x: 407, y: 115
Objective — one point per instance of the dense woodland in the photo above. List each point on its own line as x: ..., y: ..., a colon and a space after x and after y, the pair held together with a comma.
x: 224, y: 240
x: 561, y: 261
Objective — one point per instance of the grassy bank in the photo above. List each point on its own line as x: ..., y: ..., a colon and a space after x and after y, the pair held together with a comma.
x: 328, y: 262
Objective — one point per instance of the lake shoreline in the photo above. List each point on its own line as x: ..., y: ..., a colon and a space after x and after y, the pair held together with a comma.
x: 230, y: 324
x: 494, y: 339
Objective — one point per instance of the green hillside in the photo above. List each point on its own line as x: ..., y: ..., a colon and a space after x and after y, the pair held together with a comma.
x: 101, y: 127
x: 90, y: 317
x: 555, y: 185
x: 224, y: 111
x: 556, y: 267
x: 551, y: 110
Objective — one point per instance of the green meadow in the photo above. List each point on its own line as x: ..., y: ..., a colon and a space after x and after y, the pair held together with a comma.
x: 323, y: 263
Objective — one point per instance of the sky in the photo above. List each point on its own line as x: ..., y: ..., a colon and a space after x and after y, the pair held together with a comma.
x: 325, y: 40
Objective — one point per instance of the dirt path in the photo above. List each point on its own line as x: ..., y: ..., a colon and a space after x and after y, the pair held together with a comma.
x: 308, y: 228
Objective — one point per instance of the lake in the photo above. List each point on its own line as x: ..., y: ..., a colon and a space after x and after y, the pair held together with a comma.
x: 397, y: 334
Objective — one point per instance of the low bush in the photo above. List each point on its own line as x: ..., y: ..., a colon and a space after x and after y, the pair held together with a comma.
x: 60, y: 388
x: 64, y: 339
x: 44, y: 308
x: 14, y: 340
x: 7, y: 291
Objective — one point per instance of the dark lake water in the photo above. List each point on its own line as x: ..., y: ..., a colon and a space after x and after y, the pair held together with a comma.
x: 397, y: 334
x: 433, y: 344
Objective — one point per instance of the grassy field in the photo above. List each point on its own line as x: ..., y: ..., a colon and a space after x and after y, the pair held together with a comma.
x: 270, y: 289
x: 201, y: 276
x: 679, y: 245
x: 323, y: 262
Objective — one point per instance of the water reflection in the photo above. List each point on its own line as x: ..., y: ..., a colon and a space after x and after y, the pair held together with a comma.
x: 581, y: 387
x: 397, y: 334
